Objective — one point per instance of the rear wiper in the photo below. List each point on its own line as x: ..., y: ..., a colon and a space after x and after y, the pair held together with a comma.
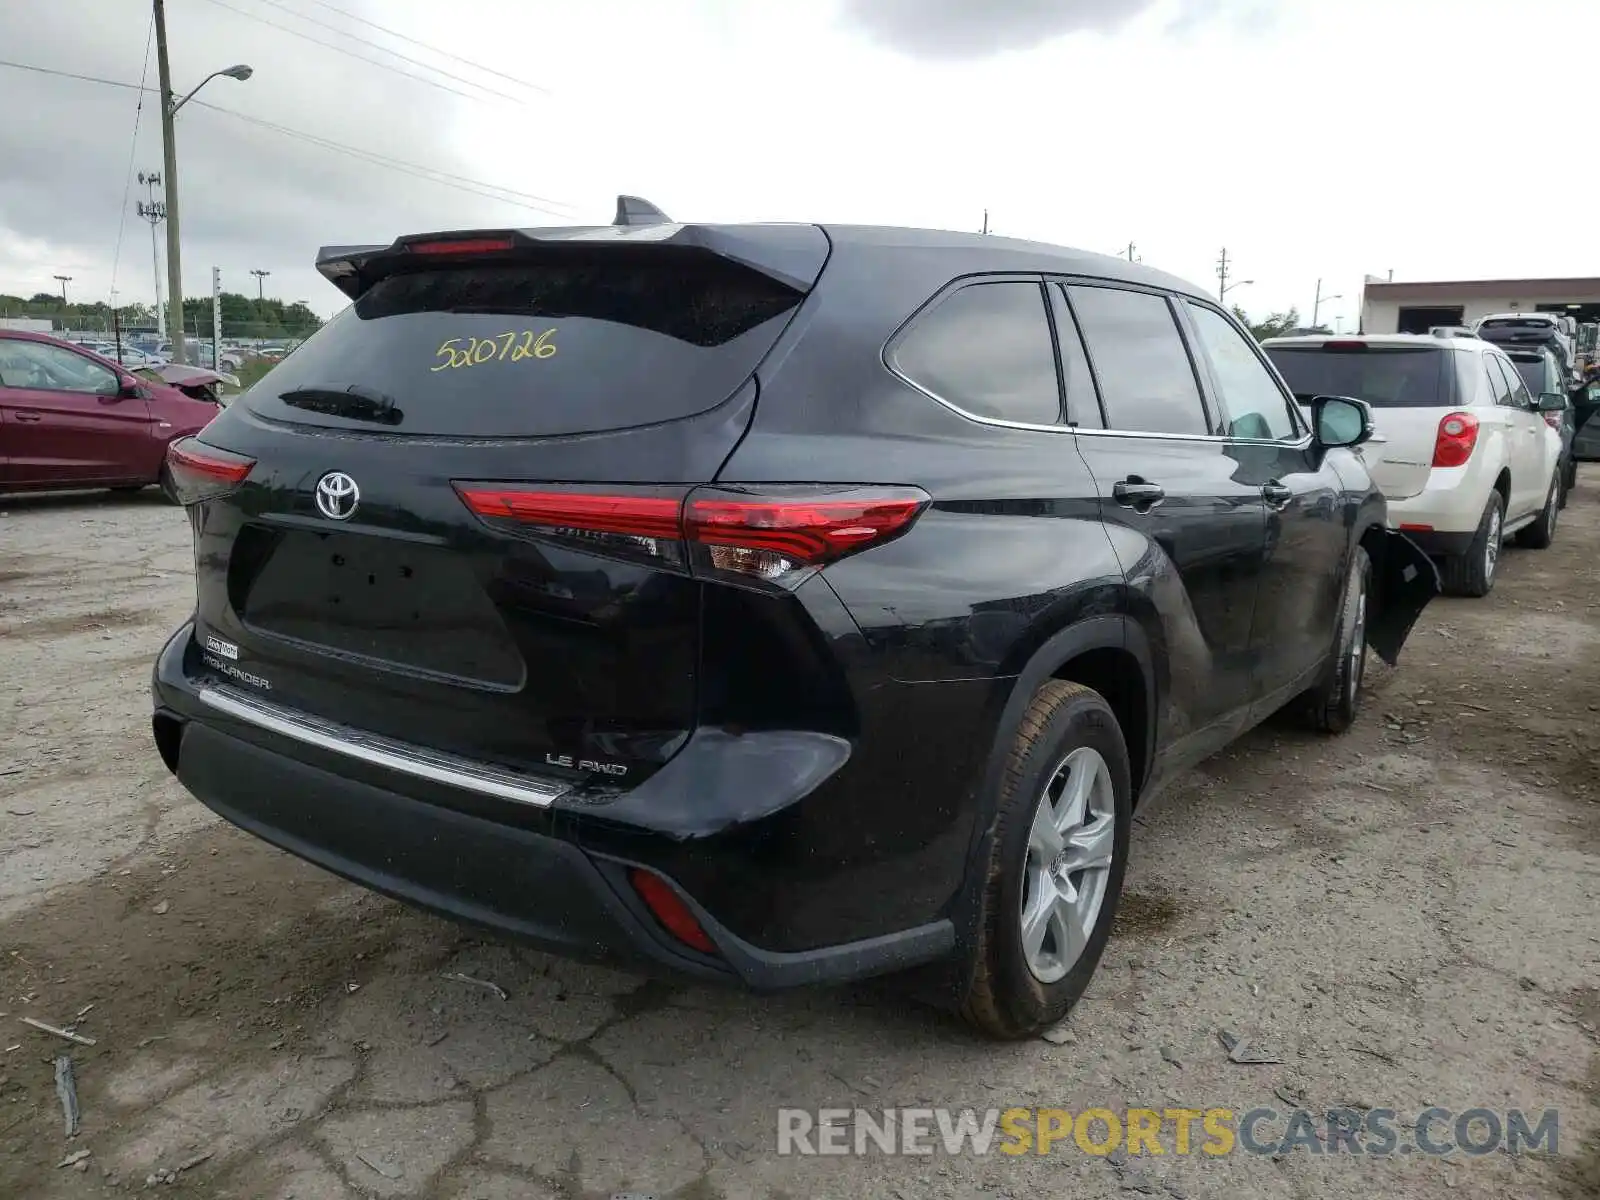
x: 354, y: 403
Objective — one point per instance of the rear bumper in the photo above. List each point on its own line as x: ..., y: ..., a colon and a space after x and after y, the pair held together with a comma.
x: 518, y: 872
x: 1443, y: 517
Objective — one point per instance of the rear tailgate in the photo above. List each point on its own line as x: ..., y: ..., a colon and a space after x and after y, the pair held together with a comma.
x: 365, y: 573
x: 1408, y: 387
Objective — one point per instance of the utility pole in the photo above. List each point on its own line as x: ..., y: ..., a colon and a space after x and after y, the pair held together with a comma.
x: 1130, y: 252
x: 1222, y: 272
x: 985, y: 228
x: 169, y: 154
x: 154, y: 211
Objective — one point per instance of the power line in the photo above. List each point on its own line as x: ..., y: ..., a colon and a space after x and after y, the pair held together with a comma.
x: 351, y: 53
x: 427, y: 46
x: 133, y: 149
x: 345, y: 33
x: 133, y: 87
x: 433, y: 174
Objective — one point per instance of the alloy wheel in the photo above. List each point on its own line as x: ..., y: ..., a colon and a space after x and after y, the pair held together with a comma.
x: 1069, y: 863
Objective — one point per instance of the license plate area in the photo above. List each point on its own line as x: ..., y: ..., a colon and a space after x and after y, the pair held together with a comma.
x: 386, y: 599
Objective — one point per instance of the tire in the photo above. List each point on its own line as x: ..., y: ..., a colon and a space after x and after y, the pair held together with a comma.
x: 1332, y: 705
x: 1472, y: 573
x: 1068, y: 734
x: 1542, y: 532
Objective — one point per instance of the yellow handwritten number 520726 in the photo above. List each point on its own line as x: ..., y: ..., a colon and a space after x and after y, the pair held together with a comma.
x: 512, y: 345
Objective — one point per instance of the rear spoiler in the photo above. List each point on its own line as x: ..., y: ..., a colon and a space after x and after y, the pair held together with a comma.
x: 793, y: 255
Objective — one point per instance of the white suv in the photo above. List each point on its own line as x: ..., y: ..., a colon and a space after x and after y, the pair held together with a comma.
x: 1462, y: 452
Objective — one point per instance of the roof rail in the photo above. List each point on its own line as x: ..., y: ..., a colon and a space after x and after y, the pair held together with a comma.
x: 631, y: 210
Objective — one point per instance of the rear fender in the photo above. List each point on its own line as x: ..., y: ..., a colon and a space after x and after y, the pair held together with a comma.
x: 1404, y: 580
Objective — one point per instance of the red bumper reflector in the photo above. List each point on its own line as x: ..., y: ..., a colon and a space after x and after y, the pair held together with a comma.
x: 1404, y: 528
x: 669, y: 908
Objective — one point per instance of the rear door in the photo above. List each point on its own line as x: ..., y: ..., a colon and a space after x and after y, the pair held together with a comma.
x: 1410, y: 387
x: 1308, y: 535
x: 1181, y: 513
x: 66, y: 421
x: 461, y: 530
x: 1524, y: 437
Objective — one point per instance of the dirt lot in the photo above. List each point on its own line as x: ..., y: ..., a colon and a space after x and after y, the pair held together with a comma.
x: 1406, y: 916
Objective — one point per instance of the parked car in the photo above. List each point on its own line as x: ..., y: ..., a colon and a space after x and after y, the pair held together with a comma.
x: 70, y: 418
x: 1542, y: 372
x: 1465, y: 457
x: 774, y: 604
x: 133, y: 358
x: 1532, y: 328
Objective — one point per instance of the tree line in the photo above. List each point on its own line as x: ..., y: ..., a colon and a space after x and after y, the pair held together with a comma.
x: 242, y: 316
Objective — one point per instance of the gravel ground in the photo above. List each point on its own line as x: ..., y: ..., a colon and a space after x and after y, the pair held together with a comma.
x: 1405, y: 916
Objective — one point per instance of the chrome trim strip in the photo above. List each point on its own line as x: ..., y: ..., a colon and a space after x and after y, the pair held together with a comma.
x: 379, y: 751
x: 1300, y: 443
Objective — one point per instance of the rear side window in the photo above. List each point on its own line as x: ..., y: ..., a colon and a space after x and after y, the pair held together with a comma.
x: 1146, y: 379
x: 986, y: 349
x: 538, y: 347
x: 1383, y: 376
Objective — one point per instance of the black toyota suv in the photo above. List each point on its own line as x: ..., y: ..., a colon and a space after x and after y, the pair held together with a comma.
x: 772, y: 603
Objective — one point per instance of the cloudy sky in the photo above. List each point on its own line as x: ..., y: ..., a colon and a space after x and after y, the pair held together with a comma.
x: 1311, y: 139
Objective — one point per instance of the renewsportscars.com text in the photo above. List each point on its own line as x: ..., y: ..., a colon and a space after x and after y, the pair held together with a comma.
x: 1377, y: 1132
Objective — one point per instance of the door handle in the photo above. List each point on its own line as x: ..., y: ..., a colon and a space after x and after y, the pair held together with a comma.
x: 1137, y: 493
x: 1277, y: 494
x: 29, y: 417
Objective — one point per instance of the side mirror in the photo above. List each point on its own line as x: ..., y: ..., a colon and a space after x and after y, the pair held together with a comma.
x: 1551, y: 402
x: 1341, y: 420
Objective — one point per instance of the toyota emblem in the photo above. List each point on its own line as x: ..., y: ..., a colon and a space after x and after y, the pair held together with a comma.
x: 337, y: 496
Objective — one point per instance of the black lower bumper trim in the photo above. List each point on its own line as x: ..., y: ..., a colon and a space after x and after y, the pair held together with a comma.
x: 1440, y: 545
x: 533, y: 887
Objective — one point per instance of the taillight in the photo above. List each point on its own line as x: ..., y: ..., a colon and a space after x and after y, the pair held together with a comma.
x: 777, y: 532
x: 201, y: 472
x: 1553, y: 419
x: 771, y: 534
x: 630, y: 522
x: 1458, y: 434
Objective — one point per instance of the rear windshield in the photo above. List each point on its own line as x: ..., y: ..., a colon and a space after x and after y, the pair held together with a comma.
x: 528, y: 349
x: 1383, y: 376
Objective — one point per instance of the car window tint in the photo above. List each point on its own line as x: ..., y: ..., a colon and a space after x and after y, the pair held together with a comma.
x: 1520, y: 396
x: 1499, y: 385
x: 1083, y: 402
x: 1146, y: 380
x: 986, y: 349
x: 48, y: 368
x: 1255, y: 405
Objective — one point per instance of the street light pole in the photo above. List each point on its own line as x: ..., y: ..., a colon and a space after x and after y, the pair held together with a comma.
x: 169, y: 148
x: 1316, y: 303
x: 261, y: 277
x: 64, y: 280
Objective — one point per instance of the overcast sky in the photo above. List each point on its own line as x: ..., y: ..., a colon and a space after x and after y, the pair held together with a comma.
x: 1312, y: 139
